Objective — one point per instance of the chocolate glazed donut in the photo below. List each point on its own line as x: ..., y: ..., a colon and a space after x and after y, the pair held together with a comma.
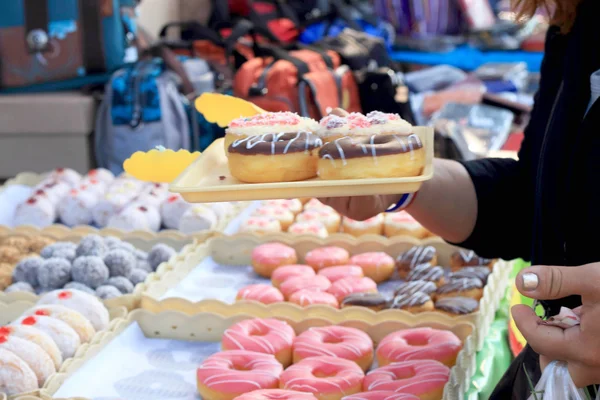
x: 281, y: 157
x: 377, y: 156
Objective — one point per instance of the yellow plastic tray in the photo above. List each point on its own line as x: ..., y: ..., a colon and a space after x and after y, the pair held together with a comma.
x: 208, y: 180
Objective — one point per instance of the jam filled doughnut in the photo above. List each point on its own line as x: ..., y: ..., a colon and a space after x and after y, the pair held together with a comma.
x: 315, y: 284
x: 374, y: 301
x: 419, y: 344
x: 341, y: 271
x: 481, y: 273
x: 344, y: 287
x: 87, y: 305
x: 324, y: 257
x: 382, y: 156
x: 305, y: 298
x: 267, y: 257
x: 454, y: 306
x: 336, y: 341
x: 267, y: 336
x: 34, y: 356
x: 375, y: 265
x: 328, y: 378
x: 75, y: 320
x: 276, y: 394
x: 465, y: 287
x: 62, y: 334
x: 226, y: 375
x: 426, y: 272
x: 281, y: 157
x: 411, y: 287
x: 286, y: 272
x: 38, y: 337
x: 381, y: 395
x: 423, y: 378
x: 15, y: 375
x: 415, y: 256
x: 261, y: 293
x: 468, y: 258
x: 414, y: 303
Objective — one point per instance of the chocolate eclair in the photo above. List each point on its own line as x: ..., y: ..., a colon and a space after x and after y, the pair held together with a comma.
x: 427, y: 272
x: 481, y: 273
x: 415, y: 303
x: 374, y: 301
x: 455, y: 306
x: 465, y: 287
x: 411, y: 287
x: 468, y: 258
x: 413, y: 257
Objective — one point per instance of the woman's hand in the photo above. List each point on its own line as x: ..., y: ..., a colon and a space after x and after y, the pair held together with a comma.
x: 579, y: 345
x: 361, y: 208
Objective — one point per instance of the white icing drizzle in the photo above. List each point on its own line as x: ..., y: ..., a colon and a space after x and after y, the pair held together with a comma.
x: 272, y: 138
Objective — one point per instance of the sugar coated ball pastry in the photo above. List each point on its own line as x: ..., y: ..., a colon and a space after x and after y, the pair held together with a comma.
x: 426, y: 272
x: 198, y: 218
x: 35, y: 211
x: 454, y: 306
x: 378, y: 156
x: 411, y: 287
x: 267, y: 336
x: 172, y: 209
x: 283, y: 215
x: 315, y: 283
x: 265, y: 123
x: 66, y: 175
x: 75, y: 320
x: 76, y: 208
x: 54, y: 273
x: 261, y: 293
x: 107, y: 292
x: 388, y: 124
x: 336, y: 341
x: 260, y: 225
x: 276, y: 394
x: 34, y: 356
x: 412, y: 302
x: 371, y: 226
x: 372, y: 300
x: 344, y: 287
x: 54, y: 249
x: 419, y: 344
x: 286, y: 272
x: 307, y: 297
x: 16, y: 376
x: 267, y: 257
x: 381, y: 395
x: 87, y: 305
x: 138, y: 276
x: 481, y: 273
x: 425, y: 379
x: 341, y: 271
x: 326, y: 377
x: 20, y: 287
x: 275, y: 157
x: 468, y: 258
x: 314, y: 228
x: 37, y: 337
x: 334, y: 127
x: 27, y: 270
x: 328, y: 256
x: 122, y: 283
x: 329, y: 218
x: 119, y: 262
x: 376, y: 265
x: 228, y: 374
x: 464, y: 287
x: 159, y: 254
x: 108, y: 206
x: 91, y: 245
x: 101, y: 174
x: 63, y: 335
x: 294, y: 205
x: 415, y: 256
x: 90, y: 271
x: 402, y: 223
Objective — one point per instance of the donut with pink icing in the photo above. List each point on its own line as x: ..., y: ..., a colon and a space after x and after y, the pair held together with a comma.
x: 267, y: 257
x: 276, y: 394
x: 328, y: 378
x: 294, y: 205
x: 229, y: 374
x: 261, y: 293
x: 381, y: 395
x: 267, y: 336
x: 314, y: 204
x: 286, y: 272
x: 305, y: 298
x: 376, y: 265
x: 315, y: 284
x: 335, y: 341
x: 419, y: 344
x: 423, y: 378
x: 341, y: 271
x: 329, y: 218
x: 329, y: 256
x: 281, y: 214
x: 347, y: 286
x: 314, y: 228
x: 260, y: 225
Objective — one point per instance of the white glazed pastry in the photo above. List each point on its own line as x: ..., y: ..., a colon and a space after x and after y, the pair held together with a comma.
x: 35, y: 211
x: 108, y: 206
x: 197, y: 218
x: 402, y: 223
x: 76, y: 208
x: 93, y: 186
x: 38, y: 337
x: 63, y: 335
x: 15, y: 375
x: 101, y: 175
x: 309, y: 228
x: 53, y: 190
x: 34, y: 356
x: 372, y: 225
x: 136, y: 217
x: 260, y: 225
x: 283, y: 215
x: 74, y: 319
x: 87, y: 305
x: 66, y: 175
x: 172, y: 209
x: 294, y: 205
x: 149, y: 213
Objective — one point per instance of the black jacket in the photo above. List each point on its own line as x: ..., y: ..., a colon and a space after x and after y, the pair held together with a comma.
x: 545, y: 208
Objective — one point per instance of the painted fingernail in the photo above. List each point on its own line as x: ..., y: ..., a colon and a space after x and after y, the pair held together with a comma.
x: 530, y: 281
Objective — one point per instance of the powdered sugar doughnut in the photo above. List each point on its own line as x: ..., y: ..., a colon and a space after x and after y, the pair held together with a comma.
x: 294, y: 205
x: 329, y: 256
x: 152, y: 198
x: 109, y: 206
x: 52, y: 189
x: 75, y: 320
x: 228, y: 374
x: 309, y: 228
x: 87, y: 305
x: 371, y: 226
x: 15, y: 375
x: 63, y: 335
x: 260, y: 225
x: 267, y: 257
x: 38, y: 360
x: 423, y: 378
x: 376, y: 265
x: 328, y: 378
x: 101, y: 174
x: 76, y: 208
x: 172, y: 209
x: 402, y: 223
x: 38, y: 337
x: 341, y: 271
x: 136, y: 217
x: 262, y: 293
x: 66, y: 175
x: 267, y: 336
x: 381, y: 395
x: 329, y: 218
x: 198, y: 218
x: 283, y: 215
x: 346, y: 286
x: 305, y: 298
x: 276, y: 394
x: 315, y: 284
x: 335, y: 341
x: 286, y: 272
x: 35, y: 211
x: 93, y: 186
x: 419, y: 344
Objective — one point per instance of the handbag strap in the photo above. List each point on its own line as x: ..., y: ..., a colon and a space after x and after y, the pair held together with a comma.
x: 91, y: 25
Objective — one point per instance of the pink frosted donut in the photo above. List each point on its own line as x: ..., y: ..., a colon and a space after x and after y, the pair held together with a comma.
x: 262, y: 293
x: 422, y: 378
x: 294, y: 205
x: 276, y: 394
x: 228, y: 374
x: 267, y: 257
x: 419, y: 344
x: 381, y: 395
x: 335, y: 341
x: 328, y: 378
x: 324, y: 257
x: 376, y: 265
x: 341, y: 271
x: 314, y: 204
x: 305, y: 298
x: 315, y: 228
x: 286, y: 272
x: 268, y: 336
x: 283, y: 215
x: 329, y: 218
x: 344, y: 287
x: 314, y: 284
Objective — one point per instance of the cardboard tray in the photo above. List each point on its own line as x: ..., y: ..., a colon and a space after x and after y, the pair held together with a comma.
x: 141, y: 240
x: 208, y: 180
x: 220, y: 249
x: 207, y: 327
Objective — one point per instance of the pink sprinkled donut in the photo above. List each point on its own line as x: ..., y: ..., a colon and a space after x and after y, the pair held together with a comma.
x: 267, y: 336
x: 324, y: 257
x: 341, y: 271
x: 267, y: 257
x: 328, y: 378
x: 336, y: 341
x: 315, y: 284
x: 262, y: 293
x: 419, y: 344
x: 276, y: 394
x: 286, y: 272
x: 376, y: 265
x: 294, y: 205
x: 305, y: 298
x: 381, y: 395
x: 228, y: 374
x: 343, y: 287
x: 423, y: 378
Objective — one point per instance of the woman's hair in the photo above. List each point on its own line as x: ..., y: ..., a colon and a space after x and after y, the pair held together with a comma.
x: 562, y: 11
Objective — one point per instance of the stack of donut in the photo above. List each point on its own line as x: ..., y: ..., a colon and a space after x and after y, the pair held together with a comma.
x: 284, y: 147
x: 264, y: 359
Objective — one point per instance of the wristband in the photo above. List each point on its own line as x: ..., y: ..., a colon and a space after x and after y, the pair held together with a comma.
x: 405, y: 201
